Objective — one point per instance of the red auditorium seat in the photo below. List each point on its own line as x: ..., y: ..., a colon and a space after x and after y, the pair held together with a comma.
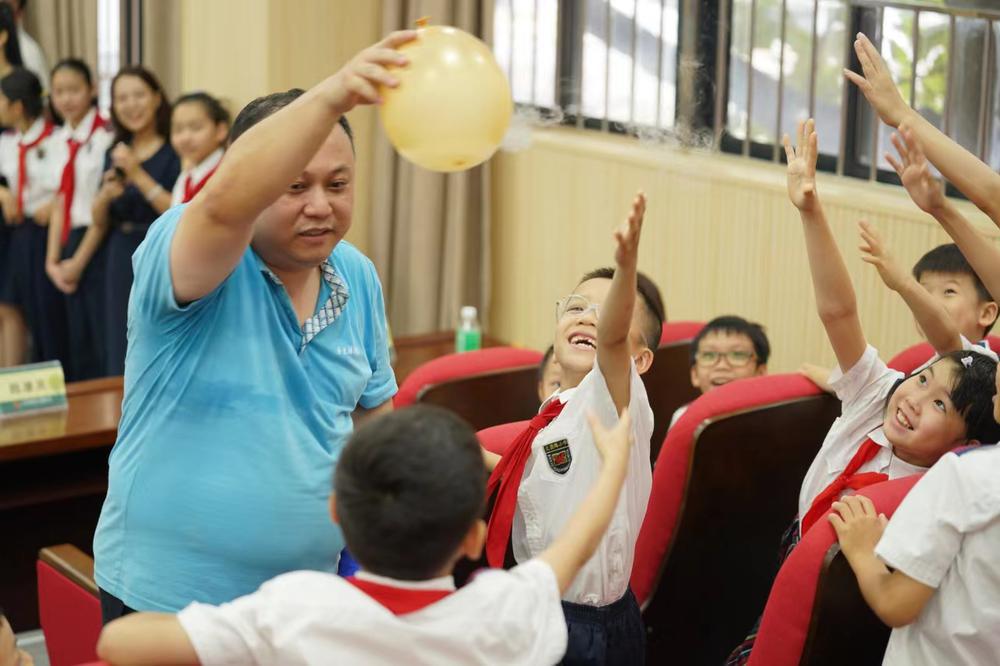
x: 68, y: 605
x: 486, y: 387
x: 668, y: 382
x: 913, y: 357
x: 815, y: 614
x: 725, y: 487
x: 496, y: 438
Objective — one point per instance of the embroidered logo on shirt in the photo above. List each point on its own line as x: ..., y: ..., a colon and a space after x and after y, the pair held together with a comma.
x: 559, y: 456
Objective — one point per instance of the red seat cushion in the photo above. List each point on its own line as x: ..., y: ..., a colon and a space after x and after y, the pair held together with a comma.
x: 675, y: 331
x: 70, y: 616
x: 785, y: 624
x: 497, y: 438
x: 913, y: 357
x: 670, y: 474
x: 465, y: 364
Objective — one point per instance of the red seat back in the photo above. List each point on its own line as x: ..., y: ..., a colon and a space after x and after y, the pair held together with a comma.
x: 913, y: 357
x: 496, y: 439
x: 725, y: 487
x: 70, y: 617
x: 668, y: 381
x: 815, y: 614
x: 470, y: 383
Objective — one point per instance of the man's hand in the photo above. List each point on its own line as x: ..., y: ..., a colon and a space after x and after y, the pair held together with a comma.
x: 858, y: 525
x: 876, y: 84
x: 802, y: 166
x: 358, y: 81
x: 913, y: 170
x: 874, y: 252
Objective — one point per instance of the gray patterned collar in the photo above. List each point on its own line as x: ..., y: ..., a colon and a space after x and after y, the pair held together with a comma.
x: 332, y: 307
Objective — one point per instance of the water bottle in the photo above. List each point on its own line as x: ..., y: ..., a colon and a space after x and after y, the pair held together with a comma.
x: 468, y: 335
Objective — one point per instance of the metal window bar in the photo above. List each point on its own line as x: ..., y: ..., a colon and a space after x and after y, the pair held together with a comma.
x: 659, y: 63
x: 814, y: 61
x: 984, y: 90
x: 753, y: 30
x: 721, y: 72
x: 915, y: 45
x: 607, y: 63
x: 776, y: 154
x: 876, y: 122
x: 635, y: 53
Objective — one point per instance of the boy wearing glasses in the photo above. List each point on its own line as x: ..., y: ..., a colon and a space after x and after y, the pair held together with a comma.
x: 728, y: 348
x: 603, y: 341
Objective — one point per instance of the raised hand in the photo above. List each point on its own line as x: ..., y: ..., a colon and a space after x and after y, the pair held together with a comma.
x: 874, y: 252
x: 627, y: 235
x: 802, y: 166
x: 358, y: 81
x: 913, y: 170
x: 876, y: 84
x: 612, y: 443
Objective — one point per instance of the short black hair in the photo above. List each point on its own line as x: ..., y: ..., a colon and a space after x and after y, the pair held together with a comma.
x: 650, y: 293
x: 734, y: 325
x: 214, y: 109
x: 262, y: 107
x: 24, y: 87
x: 409, y: 486
x: 972, y: 391
x: 161, y: 118
x: 948, y: 258
x: 8, y: 24
x: 545, y: 363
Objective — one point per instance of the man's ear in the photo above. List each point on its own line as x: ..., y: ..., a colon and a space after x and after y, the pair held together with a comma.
x: 644, y: 360
x: 333, y: 507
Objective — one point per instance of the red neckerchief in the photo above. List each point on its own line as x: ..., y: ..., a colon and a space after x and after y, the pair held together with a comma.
x: 67, y: 186
x: 506, y: 479
x: 22, y: 160
x: 849, y: 478
x: 191, y: 189
x: 399, y: 600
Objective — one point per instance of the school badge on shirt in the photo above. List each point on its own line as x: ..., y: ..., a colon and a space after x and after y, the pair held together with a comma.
x: 559, y: 456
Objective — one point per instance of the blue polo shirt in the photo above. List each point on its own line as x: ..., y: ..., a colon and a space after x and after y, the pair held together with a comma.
x: 231, y: 427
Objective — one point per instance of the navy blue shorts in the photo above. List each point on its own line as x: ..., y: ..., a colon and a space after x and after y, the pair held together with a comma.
x: 612, y: 635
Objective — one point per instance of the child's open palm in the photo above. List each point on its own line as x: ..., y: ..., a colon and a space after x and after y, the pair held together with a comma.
x: 876, y: 84
x: 802, y: 166
x: 874, y: 252
x: 912, y: 169
x: 627, y: 235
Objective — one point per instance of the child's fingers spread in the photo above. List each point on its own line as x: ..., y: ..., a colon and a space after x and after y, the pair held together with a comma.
x: 800, y: 138
x: 894, y: 164
x: 856, y: 79
x: 787, y: 143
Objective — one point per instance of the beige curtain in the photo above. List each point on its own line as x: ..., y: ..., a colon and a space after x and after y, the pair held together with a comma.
x: 429, y: 233
x: 161, y: 43
x: 64, y: 28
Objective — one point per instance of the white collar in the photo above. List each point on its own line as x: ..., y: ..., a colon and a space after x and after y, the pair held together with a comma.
x: 442, y: 583
x: 200, y: 170
x: 82, y: 131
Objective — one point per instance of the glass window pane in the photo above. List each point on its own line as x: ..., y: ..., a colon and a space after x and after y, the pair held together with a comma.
x: 739, y: 56
x: 668, y: 64
x: 522, y: 49
x: 831, y: 47
x: 648, y: 25
x: 546, y: 40
x: 620, y: 60
x: 797, y: 65
x: 767, y: 64
x: 595, y: 54
x: 502, y: 34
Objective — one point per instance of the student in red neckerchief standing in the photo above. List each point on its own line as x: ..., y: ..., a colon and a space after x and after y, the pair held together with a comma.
x: 198, y: 129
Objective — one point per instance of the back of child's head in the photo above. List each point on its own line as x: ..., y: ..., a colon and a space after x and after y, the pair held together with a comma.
x: 23, y: 86
x: 972, y: 392
x: 949, y: 260
x: 409, y: 486
x: 654, y: 314
x: 734, y: 325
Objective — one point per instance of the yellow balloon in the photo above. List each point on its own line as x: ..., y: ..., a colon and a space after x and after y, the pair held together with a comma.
x: 453, y: 104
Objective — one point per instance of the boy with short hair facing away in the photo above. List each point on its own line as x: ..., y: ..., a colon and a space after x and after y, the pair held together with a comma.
x: 409, y: 497
x: 604, y: 339
x: 727, y: 349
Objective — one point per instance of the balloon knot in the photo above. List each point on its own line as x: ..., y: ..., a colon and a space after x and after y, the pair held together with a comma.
x: 423, y: 21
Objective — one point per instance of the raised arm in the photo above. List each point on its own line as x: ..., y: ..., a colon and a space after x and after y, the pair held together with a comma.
x: 938, y: 326
x: 216, y: 227
x: 975, y: 179
x: 585, y: 529
x: 835, y: 299
x: 981, y: 252
x: 613, y: 351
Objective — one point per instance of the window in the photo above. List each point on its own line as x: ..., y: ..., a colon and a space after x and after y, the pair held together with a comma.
x: 108, y: 46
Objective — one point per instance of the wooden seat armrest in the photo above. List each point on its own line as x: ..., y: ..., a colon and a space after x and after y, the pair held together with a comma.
x: 73, y: 563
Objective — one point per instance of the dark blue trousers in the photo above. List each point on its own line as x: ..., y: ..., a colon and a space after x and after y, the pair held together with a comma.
x: 612, y: 635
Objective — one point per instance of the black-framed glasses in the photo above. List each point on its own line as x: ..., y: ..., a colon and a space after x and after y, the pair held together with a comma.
x: 735, y: 358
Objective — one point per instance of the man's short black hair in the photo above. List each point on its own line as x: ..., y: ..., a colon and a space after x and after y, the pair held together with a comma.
x: 262, y: 107
x: 409, y: 486
x: 734, y: 325
x: 948, y: 258
x: 655, y: 314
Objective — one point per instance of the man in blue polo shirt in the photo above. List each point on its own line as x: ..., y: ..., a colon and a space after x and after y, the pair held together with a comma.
x: 255, y: 336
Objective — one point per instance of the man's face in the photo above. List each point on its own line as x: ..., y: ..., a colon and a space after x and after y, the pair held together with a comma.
x: 9, y: 654
x: 722, y: 357
x: 301, y: 228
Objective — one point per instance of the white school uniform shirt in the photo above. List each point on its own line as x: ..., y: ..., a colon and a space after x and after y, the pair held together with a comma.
x: 310, y: 617
x: 89, y: 165
x: 862, y: 391
x: 195, y: 173
x: 43, y: 181
x: 981, y: 347
x: 678, y: 413
x: 33, y: 57
x: 546, y: 498
x: 946, y: 535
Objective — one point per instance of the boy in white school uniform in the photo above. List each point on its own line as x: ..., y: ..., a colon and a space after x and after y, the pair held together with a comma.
x: 603, y: 342
x: 409, y: 498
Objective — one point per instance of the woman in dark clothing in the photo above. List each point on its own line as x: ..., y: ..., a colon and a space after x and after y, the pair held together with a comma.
x: 141, y: 170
